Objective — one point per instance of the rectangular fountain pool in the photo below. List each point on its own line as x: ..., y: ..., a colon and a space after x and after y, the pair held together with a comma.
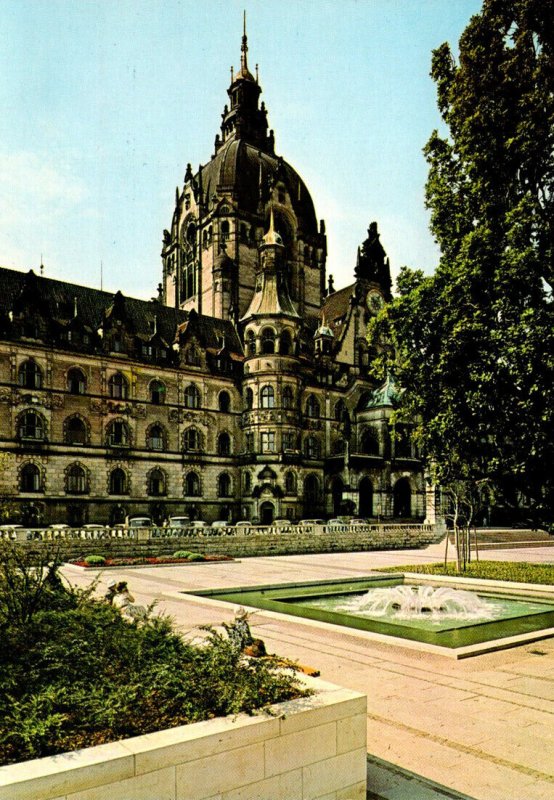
x: 437, y: 615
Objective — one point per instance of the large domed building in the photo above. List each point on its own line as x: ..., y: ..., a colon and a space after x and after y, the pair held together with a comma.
x: 242, y: 391
x: 210, y: 253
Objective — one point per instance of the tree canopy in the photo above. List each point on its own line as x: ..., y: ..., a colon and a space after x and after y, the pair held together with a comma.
x: 474, y: 343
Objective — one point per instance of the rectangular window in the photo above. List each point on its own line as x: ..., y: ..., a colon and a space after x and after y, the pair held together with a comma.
x: 268, y: 442
x: 288, y: 440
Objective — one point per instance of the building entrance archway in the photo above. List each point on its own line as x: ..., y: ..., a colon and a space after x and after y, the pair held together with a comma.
x: 267, y: 513
x: 337, y: 488
x: 402, y: 498
x: 365, y: 500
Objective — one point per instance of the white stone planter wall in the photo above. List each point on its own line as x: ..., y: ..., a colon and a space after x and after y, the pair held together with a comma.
x: 308, y: 749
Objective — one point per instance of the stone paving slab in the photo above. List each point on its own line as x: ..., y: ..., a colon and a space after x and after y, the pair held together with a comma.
x: 482, y: 727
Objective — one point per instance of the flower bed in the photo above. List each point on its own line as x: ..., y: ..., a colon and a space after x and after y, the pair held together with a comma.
x: 133, y: 561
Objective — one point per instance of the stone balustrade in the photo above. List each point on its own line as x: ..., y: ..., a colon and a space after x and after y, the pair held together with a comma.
x: 235, y: 541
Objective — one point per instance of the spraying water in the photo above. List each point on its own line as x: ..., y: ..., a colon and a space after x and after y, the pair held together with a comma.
x: 410, y: 602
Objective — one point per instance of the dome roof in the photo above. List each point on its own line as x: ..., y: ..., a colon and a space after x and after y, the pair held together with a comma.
x: 239, y: 167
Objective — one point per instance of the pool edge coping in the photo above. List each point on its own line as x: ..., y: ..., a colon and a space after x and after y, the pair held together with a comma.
x: 544, y: 591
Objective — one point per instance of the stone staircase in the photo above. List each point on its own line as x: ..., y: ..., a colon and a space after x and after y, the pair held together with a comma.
x: 505, y: 538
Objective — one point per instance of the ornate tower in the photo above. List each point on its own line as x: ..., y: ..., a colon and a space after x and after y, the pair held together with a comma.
x: 272, y: 377
x: 210, y: 252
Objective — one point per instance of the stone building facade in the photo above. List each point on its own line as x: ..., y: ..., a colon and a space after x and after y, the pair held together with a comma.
x: 241, y: 392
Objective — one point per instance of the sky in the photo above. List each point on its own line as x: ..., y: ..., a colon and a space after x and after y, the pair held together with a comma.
x: 104, y: 103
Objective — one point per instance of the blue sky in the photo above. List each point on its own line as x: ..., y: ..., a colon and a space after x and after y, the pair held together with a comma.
x: 105, y: 101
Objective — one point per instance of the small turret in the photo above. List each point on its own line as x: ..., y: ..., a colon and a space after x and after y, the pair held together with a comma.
x: 271, y: 297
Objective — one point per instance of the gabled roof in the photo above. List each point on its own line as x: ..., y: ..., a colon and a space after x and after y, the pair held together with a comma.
x: 212, y: 333
x: 59, y: 299
x: 336, y: 308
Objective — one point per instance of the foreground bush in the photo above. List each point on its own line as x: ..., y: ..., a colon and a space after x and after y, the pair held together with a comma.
x: 492, y: 570
x: 74, y: 673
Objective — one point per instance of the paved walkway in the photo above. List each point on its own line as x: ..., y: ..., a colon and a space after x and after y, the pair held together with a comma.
x: 482, y: 727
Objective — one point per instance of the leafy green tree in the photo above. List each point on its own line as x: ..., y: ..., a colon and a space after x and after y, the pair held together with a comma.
x: 474, y: 343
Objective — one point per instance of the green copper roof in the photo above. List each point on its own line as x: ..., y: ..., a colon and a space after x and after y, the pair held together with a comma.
x: 386, y: 395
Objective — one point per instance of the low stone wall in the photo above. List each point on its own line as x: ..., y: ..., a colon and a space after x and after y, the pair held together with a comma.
x: 312, y: 748
x: 242, y: 543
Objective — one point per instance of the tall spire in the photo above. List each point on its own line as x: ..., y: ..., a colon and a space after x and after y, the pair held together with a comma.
x: 243, y: 119
x: 244, y: 46
x: 272, y: 237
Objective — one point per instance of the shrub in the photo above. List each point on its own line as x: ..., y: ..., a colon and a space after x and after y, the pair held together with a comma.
x: 94, y: 561
x: 74, y: 673
x: 196, y: 557
x: 182, y: 554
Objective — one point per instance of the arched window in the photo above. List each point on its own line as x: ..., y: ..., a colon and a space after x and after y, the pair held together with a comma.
x: 402, y: 498
x: 76, y: 480
x: 224, y: 401
x: 312, y: 448
x: 267, y: 396
x: 118, y: 481
x: 312, y: 406
x: 224, y: 230
x: 192, y: 485
x: 224, y: 444
x: 118, y: 386
x: 31, y: 426
x: 192, y: 442
x: 268, y: 341
x: 250, y: 343
x: 75, y: 431
x: 285, y: 344
x: 157, y: 393
x: 30, y: 480
x: 30, y: 375
x: 224, y: 485
x: 192, y: 397
x: 288, y: 397
x: 370, y: 442
x: 118, y: 434
x: 156, y: 483
x: 155, y: 438
x: 290, y: 483
x: 340, y: 408
x: 76, y: 381
x: 249, y: 399
x: 402, y: 442
x: 191, y: 237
